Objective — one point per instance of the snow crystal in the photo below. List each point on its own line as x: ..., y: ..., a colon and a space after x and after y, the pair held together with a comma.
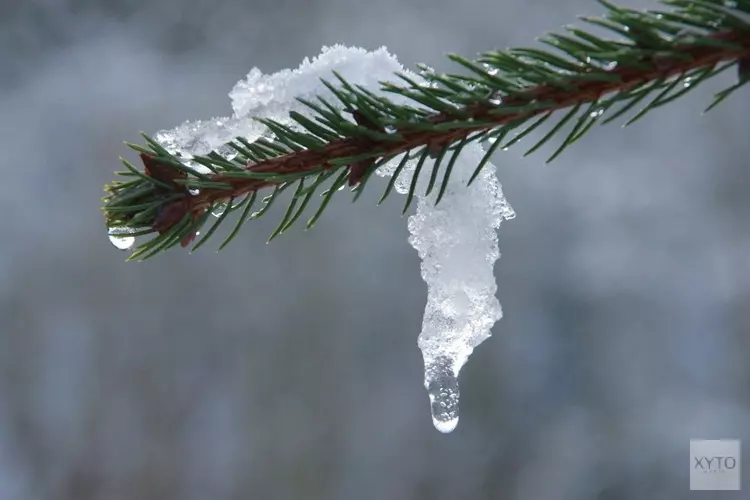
x: 456, y: 240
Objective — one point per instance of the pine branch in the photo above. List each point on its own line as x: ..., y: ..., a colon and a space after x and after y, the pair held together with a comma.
x: 661, y: 55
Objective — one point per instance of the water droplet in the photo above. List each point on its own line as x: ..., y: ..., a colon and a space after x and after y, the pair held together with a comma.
x: 219, y: 209
x: 342, y: 187
x: 491, y: 70
x: 596, y: 113
x: 390, y: 129
x: 120, y: 237
x: 688, y: 82
x: 496, y: 101
x: 441, y: 382
x: 194, y: 192
x: 122, y: 242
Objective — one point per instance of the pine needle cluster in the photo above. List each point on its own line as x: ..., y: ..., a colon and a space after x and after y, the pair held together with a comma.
x: 653, y: 58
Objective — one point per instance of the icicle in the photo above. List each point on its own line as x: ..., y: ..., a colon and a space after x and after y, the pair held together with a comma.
x: 457, y: 242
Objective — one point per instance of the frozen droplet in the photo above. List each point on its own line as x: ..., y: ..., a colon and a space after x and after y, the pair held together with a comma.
x: 121, y: 238
x: 441, y: 382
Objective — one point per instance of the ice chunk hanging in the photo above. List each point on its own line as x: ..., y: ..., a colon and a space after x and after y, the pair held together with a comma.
x: 456, y: 240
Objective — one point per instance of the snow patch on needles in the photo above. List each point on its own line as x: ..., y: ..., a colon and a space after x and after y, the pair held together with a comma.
x: 456, y: 240
x: 274, y: 96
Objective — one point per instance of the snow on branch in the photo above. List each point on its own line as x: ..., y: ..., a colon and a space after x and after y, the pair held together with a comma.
x: 456, y: 240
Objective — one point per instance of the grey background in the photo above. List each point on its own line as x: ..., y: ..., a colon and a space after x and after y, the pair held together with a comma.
x: 291, y: 370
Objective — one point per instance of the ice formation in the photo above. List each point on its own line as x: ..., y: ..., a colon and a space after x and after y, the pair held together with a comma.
x: 456, y: 240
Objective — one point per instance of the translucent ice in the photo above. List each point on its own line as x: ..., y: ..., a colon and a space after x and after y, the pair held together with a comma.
x: 456, y: 240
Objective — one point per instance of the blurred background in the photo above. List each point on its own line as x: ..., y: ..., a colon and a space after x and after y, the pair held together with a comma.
x: 291, y: 370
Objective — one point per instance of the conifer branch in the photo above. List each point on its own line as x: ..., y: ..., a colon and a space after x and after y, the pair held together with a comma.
x: 664, y: 54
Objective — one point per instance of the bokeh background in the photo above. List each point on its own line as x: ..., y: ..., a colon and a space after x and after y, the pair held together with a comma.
x: 291, y: 370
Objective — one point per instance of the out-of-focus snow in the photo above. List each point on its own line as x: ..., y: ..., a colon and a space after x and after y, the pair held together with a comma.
x: 456, y: 240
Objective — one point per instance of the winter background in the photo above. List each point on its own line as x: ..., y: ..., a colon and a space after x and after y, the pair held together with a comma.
x: 291, y: 370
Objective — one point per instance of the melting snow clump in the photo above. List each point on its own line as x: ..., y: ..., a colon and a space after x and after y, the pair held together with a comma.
x: 456, y: 240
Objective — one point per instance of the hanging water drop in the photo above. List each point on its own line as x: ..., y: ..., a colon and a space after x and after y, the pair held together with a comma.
x: 121, y: 242
x: 441, y: 382
x: 120, y: 238
x: 218, y: 209
x: 596, y: 113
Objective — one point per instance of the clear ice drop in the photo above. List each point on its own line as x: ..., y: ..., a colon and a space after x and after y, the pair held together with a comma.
x: 441, y: 382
